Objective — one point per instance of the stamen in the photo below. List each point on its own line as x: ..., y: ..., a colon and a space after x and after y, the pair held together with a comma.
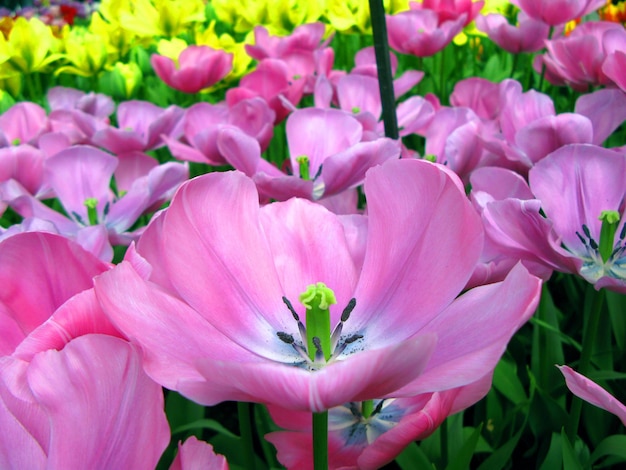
x: 291, y: 309
x: 285, y: 337
x: 378, y: 408
x: 319, y: 352
x: 352, y: 339
x: 303, y: 166
x: 348, y: 310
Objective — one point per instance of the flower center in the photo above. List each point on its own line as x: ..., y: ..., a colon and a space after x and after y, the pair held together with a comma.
x: 317, y: 344
x: 606, y: 257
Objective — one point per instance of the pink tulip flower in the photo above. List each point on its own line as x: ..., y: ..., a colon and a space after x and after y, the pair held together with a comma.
x: 421, y: 32
x: 199, y: 67
x: 95, y: 104
x: 23, y: 123
x: 224, y: 322
x: 451, y: 9
x: 528, y: 36
x: 577, y: 187
x: 80, y: 177
x: 195, y: 454
x: 203, y: 121
x: 327, y: 155
x: 272, y: 81
x: 141, y: 126
x: 356, y: 442
x: 73, y: 393
x: 591, y: 392
x: 557, y: 12
x: 576, y: 60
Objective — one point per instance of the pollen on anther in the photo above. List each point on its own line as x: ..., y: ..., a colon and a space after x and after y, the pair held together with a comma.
x: 285, y: 337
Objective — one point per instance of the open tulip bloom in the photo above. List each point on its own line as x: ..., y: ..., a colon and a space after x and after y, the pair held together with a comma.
x: 292, y: 305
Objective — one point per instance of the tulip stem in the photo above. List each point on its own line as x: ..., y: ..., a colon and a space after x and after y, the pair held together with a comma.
x: 320, y: 440
x: 590, y: 333
x: 245, y: 430
x: 383, y: 64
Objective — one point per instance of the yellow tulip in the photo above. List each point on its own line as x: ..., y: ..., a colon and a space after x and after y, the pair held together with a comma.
x: 353, y: 16
x: 117, y: 40
x: 85, y: 52
x: 167, y: 18
x: 129, y: 75
x: 243, y: 15
x: 31, y: 47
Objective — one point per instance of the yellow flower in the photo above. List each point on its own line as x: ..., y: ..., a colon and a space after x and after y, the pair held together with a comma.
x: 86, y: 53
x: 167, y: 18
x: 31, y: 47
x: 129, y: 76
x: 225, y: 42
x: 243, y: 15
x: 353, y: 16
x: 118, y: 41
x: 285, y: 15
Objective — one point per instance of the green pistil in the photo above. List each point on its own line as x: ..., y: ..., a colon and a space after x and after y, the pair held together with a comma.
x: 16, y: 141
x: 303, y: 164
x: 610, y: 221
x: 91, y: 204
x: 317, y: 300
x: 356, y: 110
x: 367, y: 408
x: 431, y: 158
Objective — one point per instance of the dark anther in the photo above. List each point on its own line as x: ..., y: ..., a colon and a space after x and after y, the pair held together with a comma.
x: 319, y: 172
x: 622, y: 234
x: 348, y: 310
x: 378, y: 407
x: 291, y: 309
x: 586, y: 230
x: 107, y: 207
x: 580, y: 237
x: 285, y: 337
x: 352, y: 339
x: 78, y: 218
x: 317, y: 343
x: 593, y: 244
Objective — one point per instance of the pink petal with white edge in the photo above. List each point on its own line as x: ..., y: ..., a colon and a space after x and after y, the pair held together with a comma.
x: 171, y: 335
x: 81, y: 315
x: 407, y: 281
x: 591, y: 392
x: 361, y: 376
x: 464, y: 351
x: 96, y: 387
x: 212, y: 272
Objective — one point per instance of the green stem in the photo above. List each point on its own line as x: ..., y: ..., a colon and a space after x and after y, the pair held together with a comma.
x: 442, y: 80
x: 320, y: 441
x: 383, y: 64
x: 367, y: 407
x: 245, y: 429
x: 590, y: 333
x: 443, y: 434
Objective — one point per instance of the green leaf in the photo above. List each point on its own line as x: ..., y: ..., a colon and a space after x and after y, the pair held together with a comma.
x: 205, y: 424
x: 463, y: 458
x: 612, y: 445
x: 570, y: 459
x: 413, y: 457
x: 554, y: 457
x: 502, y: 456
x: 506, y: 382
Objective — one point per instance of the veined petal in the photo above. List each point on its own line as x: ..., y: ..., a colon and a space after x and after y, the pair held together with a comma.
x: 465, y: 352
x: 309, y: 245
x: 214, y: 258
x: 101, y: 405
x: 575, y: 184
x: 413, y: 206
x: 365, y: 375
